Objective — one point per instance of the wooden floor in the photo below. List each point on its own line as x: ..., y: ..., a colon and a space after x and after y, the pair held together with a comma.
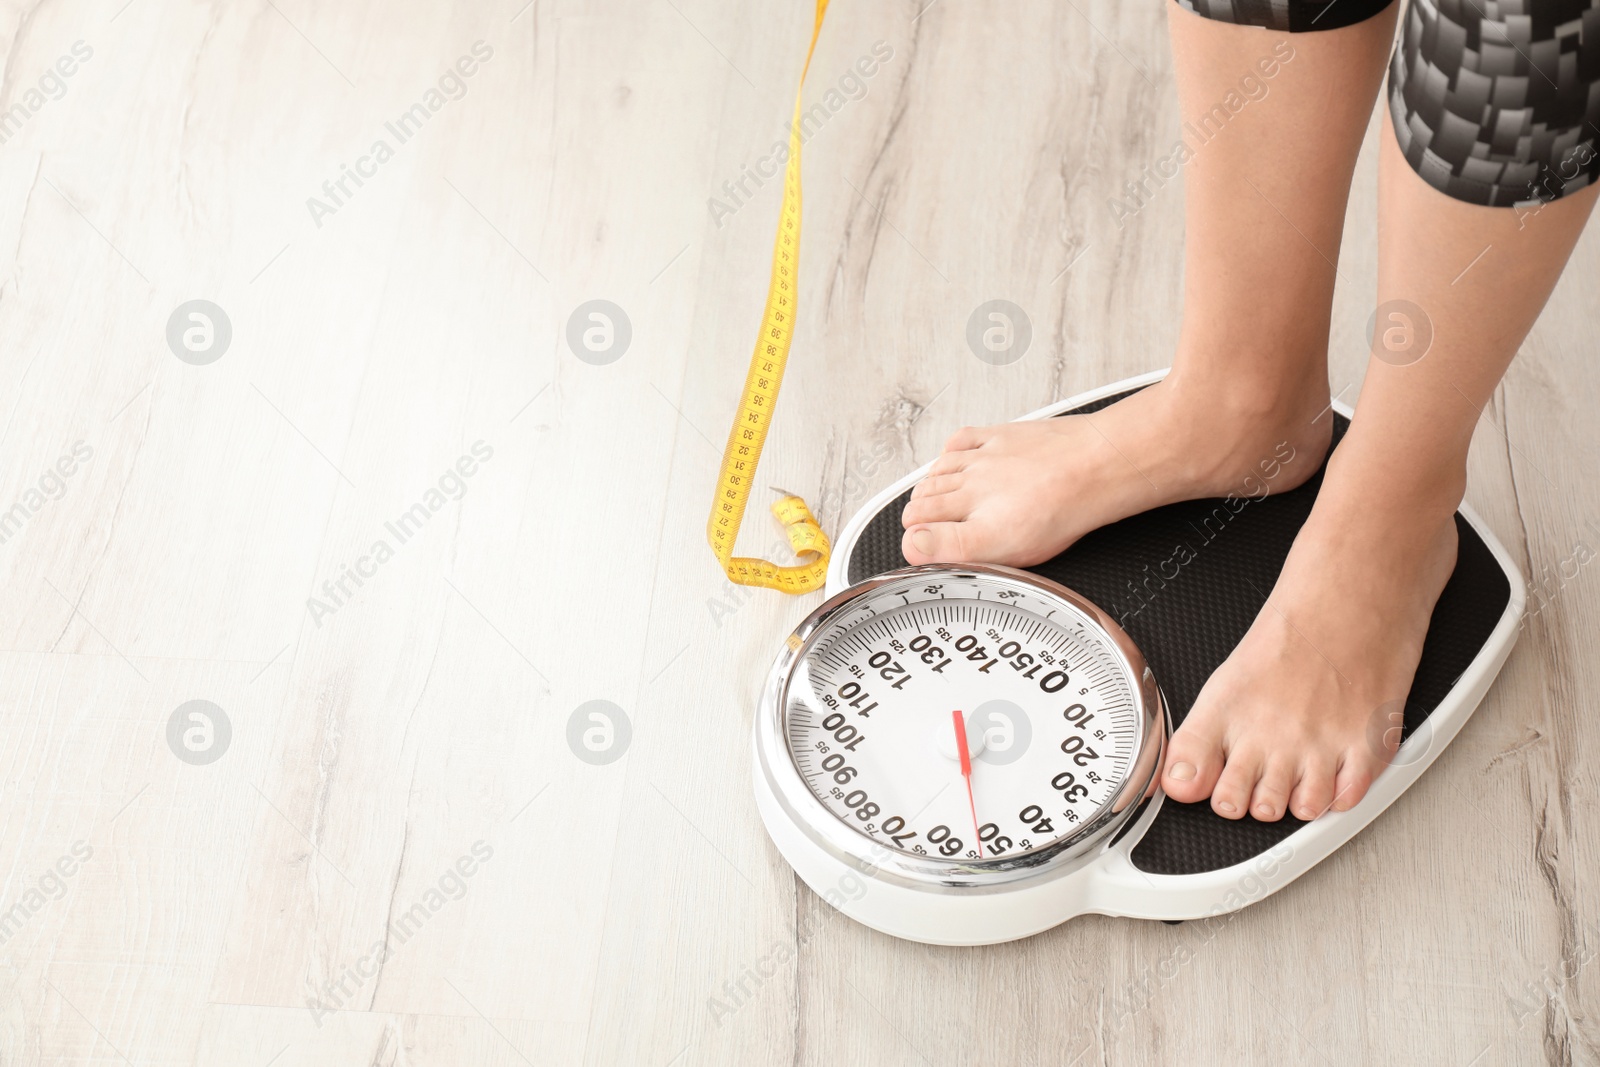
x: 395, y: 779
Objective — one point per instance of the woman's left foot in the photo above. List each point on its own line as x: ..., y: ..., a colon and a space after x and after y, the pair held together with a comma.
x: 1304, y: 713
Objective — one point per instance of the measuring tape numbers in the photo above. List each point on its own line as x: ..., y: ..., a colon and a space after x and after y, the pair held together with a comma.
x: 748, y: 434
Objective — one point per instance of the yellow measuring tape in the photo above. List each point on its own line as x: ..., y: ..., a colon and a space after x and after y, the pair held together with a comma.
x: 749, y: 431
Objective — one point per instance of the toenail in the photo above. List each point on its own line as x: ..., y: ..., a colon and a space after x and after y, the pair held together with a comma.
x: 1182, y: 772
x: 922, y: 541
x: 1223, y: 805
x: 1264, y: 810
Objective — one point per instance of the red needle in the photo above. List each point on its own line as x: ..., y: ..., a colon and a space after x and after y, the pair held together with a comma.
x: 966, y: 772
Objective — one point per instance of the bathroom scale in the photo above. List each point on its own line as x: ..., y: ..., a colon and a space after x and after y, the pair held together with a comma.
x: 968, y: 754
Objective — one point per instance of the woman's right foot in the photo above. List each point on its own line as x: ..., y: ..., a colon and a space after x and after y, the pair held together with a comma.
x: 1019, y: 493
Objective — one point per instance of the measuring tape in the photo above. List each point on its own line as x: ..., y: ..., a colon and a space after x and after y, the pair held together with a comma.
x: 749, y: 431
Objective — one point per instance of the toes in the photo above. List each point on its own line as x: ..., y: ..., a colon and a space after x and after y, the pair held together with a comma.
x: 1314, y: 793
x: 1355, y: 778
x: 938, y: 542
x: 1231, y: 798
x: 936, y: 484
x: 945, y: 507
x: 1271, y: 797
x: 967, y: 437
x: 948, y: 463
x: 1194, y: 759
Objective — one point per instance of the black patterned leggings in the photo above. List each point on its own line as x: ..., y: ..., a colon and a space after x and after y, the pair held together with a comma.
x: 1494, y: 102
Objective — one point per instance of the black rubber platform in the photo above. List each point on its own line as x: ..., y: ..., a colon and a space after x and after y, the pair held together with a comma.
x: 1187, y: 622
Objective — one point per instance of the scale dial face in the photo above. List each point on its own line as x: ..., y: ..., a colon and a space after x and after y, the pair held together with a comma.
x: 1054, y: 703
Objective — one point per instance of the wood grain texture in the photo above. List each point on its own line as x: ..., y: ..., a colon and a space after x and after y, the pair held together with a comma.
x: 424, y: 721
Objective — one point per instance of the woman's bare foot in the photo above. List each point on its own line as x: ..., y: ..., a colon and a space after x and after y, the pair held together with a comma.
x: 1021, y: 492
x: 1299, y: 718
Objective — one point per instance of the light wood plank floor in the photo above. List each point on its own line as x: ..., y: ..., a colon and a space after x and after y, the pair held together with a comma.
x: 403, y: 742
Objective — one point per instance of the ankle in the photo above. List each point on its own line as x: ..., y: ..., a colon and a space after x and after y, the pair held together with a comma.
x: 1388, y: 493
x: 1225, y: 442
x: 1393, y: 472
x: 1259, y: 364
x: 1285, y: 396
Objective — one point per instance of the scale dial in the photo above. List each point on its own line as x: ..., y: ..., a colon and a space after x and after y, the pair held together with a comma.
x: 1062, y: 723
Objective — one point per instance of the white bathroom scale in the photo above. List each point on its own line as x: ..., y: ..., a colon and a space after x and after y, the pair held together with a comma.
x: 964, y: 755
